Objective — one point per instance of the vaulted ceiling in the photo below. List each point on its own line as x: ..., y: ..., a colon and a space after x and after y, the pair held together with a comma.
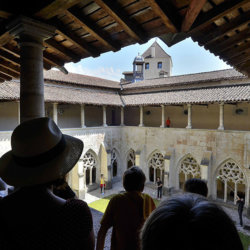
x: 87, y: 28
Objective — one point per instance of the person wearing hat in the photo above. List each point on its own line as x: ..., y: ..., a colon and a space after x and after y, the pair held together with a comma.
x: 33, y: 217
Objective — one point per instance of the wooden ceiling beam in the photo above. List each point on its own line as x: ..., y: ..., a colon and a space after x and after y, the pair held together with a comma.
x: 5, y: 77
x: 9, y: 72
x: 228, y: 43
x: 102, y: 36
x: 167, y: 13
x: 236, y: 51
x: 239, y: 59
x: 9, y: 57
x: 193, y: 11
x: 61, y: 49
x: 215, y: 13
x: 55, y: 8
x: 10, y: 66
x: 130, y: 27
x: 52, y: 59
x: 222, y: 30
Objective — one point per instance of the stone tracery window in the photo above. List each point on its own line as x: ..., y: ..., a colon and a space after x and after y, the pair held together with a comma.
x: 189, y: 169
x: 230, y: 178
x: 114, y: 162
x: 131, y: 158
x: 89, y: 164
x: 156, y: 167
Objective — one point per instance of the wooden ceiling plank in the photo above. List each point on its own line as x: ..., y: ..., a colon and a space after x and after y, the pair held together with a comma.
x: 236, y: 51
x: 8, y: 65
x: 5, y: 14
x: 2, y: 80
x: 5, y: 38
x: 239, y: 59
x: 55, y: 8
x: 92, y: 28
x: 5, y: 77
x: 225, y: 28
x: 61, y: 49
x: 52, y: 59
x: 69, y: 35
x: 164, y: 12
x: 130, y: 27
x: 9, y: 57
x: 9, y: 72
x: 193, y: 11
x: 215, y: 13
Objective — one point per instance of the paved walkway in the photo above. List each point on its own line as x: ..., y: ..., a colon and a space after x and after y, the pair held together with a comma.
x: 117, y: 187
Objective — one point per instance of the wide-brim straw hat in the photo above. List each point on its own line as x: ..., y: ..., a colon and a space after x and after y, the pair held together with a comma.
x: 40, y: 154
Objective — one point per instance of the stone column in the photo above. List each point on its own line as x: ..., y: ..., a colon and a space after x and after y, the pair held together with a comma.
x: 31, y: 34
x: 141, y: 117
x: 221, y: 126
x: 189, y: 116
x: 163, y: 122
x: 81, y: 180
x: 109, y: 167
x: 104, y: 116
x: 18, y: 112
x: 90, y: 176
x: 55, y: 112
x: 83, y: 116
x: 225, y: 191
x: 154, y: 175
x: 122, y: 116
x: 137, y: 158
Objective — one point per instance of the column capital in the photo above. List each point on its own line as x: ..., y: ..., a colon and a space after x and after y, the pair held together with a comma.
x: 30, y: 27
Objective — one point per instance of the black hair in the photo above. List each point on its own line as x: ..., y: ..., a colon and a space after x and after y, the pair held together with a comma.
x: 189, y: 222
x: 196, y: 186
x: 134, y: 179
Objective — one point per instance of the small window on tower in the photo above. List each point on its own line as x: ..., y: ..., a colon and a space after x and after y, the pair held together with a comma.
x: 147, y: 66
x: 159, y: 66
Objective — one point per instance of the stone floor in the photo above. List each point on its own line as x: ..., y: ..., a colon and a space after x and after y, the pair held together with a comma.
x: 117, y: 187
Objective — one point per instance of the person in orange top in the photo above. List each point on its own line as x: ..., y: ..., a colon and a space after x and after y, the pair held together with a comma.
x: 126, y: 213
x: 102, y: 184
x: 168, y: 122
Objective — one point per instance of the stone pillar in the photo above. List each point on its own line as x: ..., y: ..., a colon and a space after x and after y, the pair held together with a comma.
x: 163, y: 122
x: 235, y: 193
x: 90, y: 176
x: 137, y: 158
x: 55, y: 112
x: 141, y: 117
x: 122, y: 116
x: 31, y: 34
x: 189, y: 116
x: 221, y: 126
x: 104, y: 116
x: 18, y: 112
x: 166, y: 172
x: 81, y: 180
x: 109, y: 180
x: 225, y: 191
x: 154, y: 175
x: 83, y: 116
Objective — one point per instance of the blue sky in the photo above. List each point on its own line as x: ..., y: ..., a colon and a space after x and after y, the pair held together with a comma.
x: 187, y: 56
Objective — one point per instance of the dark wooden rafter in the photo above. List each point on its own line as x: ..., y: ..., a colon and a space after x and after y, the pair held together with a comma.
x: 92, y: 28
x: 9, y: 72
x: 9, y: 57
x: 10, y: 66
x: 130, y: 27
x: 167, y: 13
x: 206, y: 18
x: 221, y: 31
x: 239, y: 59
x: 193, y: 11
x: 236, y: 51
x: 5, y: 77
x: 82, y: 45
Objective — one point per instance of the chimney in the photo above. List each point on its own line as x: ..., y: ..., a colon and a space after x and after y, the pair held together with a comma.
x: 153, y: 51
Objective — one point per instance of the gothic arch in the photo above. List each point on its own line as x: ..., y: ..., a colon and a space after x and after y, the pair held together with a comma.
x: 188, y: 167
x: 156, y: 166
x: 90, y: 163
x: 115, y: 163
x: 230, y: 180
x: 130, y: 158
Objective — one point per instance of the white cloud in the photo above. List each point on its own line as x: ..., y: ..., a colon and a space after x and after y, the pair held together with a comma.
x: 102, y: 72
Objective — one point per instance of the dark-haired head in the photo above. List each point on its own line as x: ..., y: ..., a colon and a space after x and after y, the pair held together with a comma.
x: 189, y: 222
x: 196, y: 186
x: 134, y: 179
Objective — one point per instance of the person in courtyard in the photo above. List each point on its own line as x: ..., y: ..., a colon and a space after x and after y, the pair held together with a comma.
x: 62, y: 189
x: 189, y: 222
x: 102, y: 184
x: 240, y: 203
x: 197, y: 186
x: 33, y: 217
x: 159, y: 188
x: 126, y: 213
x: 168, y: 122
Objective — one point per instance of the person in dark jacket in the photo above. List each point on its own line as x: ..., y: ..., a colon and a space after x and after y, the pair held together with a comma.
x: 241, y: 203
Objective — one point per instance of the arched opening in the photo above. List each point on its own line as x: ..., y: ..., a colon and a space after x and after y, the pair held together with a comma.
x: 87, y: 176
x: 89, y: 163
x: 131, y: 158
x: 230, y: 182
x: 114, y: 163
x: 156, y: 167
x: 189, y: 169
x: 94, y: 175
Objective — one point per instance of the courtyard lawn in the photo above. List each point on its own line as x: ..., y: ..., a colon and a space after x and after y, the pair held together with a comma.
x: 100, y: 205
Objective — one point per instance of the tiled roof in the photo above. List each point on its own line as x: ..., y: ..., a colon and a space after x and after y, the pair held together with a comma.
x: 55, y: 75
x: 159, y: 52
x: 202, y: 95
x: 62, y: 94
x: 228, y: 74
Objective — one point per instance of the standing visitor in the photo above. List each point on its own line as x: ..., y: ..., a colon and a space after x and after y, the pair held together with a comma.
x: 197, y: 186
x: 102, y: 184
x: 168, y: 123
x: 159, y: 188
x: 126, y: 213
x: 241, y: 203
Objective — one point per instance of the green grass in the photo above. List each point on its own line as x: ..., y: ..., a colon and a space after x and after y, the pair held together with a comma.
x: 101, y: 205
